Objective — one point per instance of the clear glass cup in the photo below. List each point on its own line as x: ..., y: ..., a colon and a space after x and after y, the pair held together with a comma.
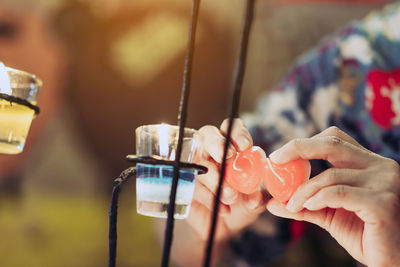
x: 153, y: 182
x: 16, y: 119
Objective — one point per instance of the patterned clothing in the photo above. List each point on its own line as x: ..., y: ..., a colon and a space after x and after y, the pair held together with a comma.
x: 351, y: 80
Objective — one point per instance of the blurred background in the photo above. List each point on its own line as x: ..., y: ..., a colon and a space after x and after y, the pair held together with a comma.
x: 108, y: 67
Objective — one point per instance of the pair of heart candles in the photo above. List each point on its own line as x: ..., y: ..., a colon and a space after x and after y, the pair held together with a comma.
x: 247, y: 169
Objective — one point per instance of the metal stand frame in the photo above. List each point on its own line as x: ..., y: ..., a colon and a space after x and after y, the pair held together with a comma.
x: 177, y: 164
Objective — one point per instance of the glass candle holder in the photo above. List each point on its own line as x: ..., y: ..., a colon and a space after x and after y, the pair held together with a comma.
x: 16, y: 119
x: 153, y: 182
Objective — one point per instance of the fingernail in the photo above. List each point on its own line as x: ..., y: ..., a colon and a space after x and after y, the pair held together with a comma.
x: 310, y: 204
x: 231, y: 152
x: 267, y: 207
x: 252, y: 204
x: 276, y: 157
x: 243, y: 142
x: 291, y: 205
x: 227, y: 192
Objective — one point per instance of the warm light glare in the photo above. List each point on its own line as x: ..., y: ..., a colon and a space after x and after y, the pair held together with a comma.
x: 147, y: 49
x: 4, y: 80
x: 358, y: 2
x: 163, y: 140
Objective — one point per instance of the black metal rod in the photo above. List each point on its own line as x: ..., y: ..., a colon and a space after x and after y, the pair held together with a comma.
x: 238, y: 82
x: 112, y: 235
x: 181, y: 123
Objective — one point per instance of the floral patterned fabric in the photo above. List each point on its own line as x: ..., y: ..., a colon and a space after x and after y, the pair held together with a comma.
x: 351, y: 80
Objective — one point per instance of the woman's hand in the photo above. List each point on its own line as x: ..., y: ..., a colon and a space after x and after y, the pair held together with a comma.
x: 357, y: 200
x: 236, y: 210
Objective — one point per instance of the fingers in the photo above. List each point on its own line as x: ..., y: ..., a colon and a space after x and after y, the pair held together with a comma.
x: 357, y: 201
x: 389, y: 175
x: 335, y: 131
x: 332, y: 145
x: 214, y: 143
x: 278, y: 209
x: 255, y: 202
x: 323, y: 218
x: 241, y: 137
x: 200, y: 220
x: 387, y: 171
x: 246, y: 210
x: 338, y: 152
x: 214, y: 139
x: 354, y: 165
x: 329, y: 177
x: 211, y: 179
x: 207, y: 199
x: 232, y: 218
x: 366, y: 203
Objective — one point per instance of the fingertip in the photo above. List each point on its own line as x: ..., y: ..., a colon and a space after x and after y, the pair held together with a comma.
x: 216, y: 154
x: 269, y: 205
x: 291, y: 205
x: 277, y: 157
x: 224, y: 125
x: 243, y: 143
x: 229, y: 195
x: 252, y: 203
x: 311, y: 204
x: 255, y: 201
x: 274, y: 206
x: 231, y: 151
x: 212, y: 142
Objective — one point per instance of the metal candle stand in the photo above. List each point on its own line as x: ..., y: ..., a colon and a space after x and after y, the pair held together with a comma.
x: 20, y: 101
x: 177, y: 164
